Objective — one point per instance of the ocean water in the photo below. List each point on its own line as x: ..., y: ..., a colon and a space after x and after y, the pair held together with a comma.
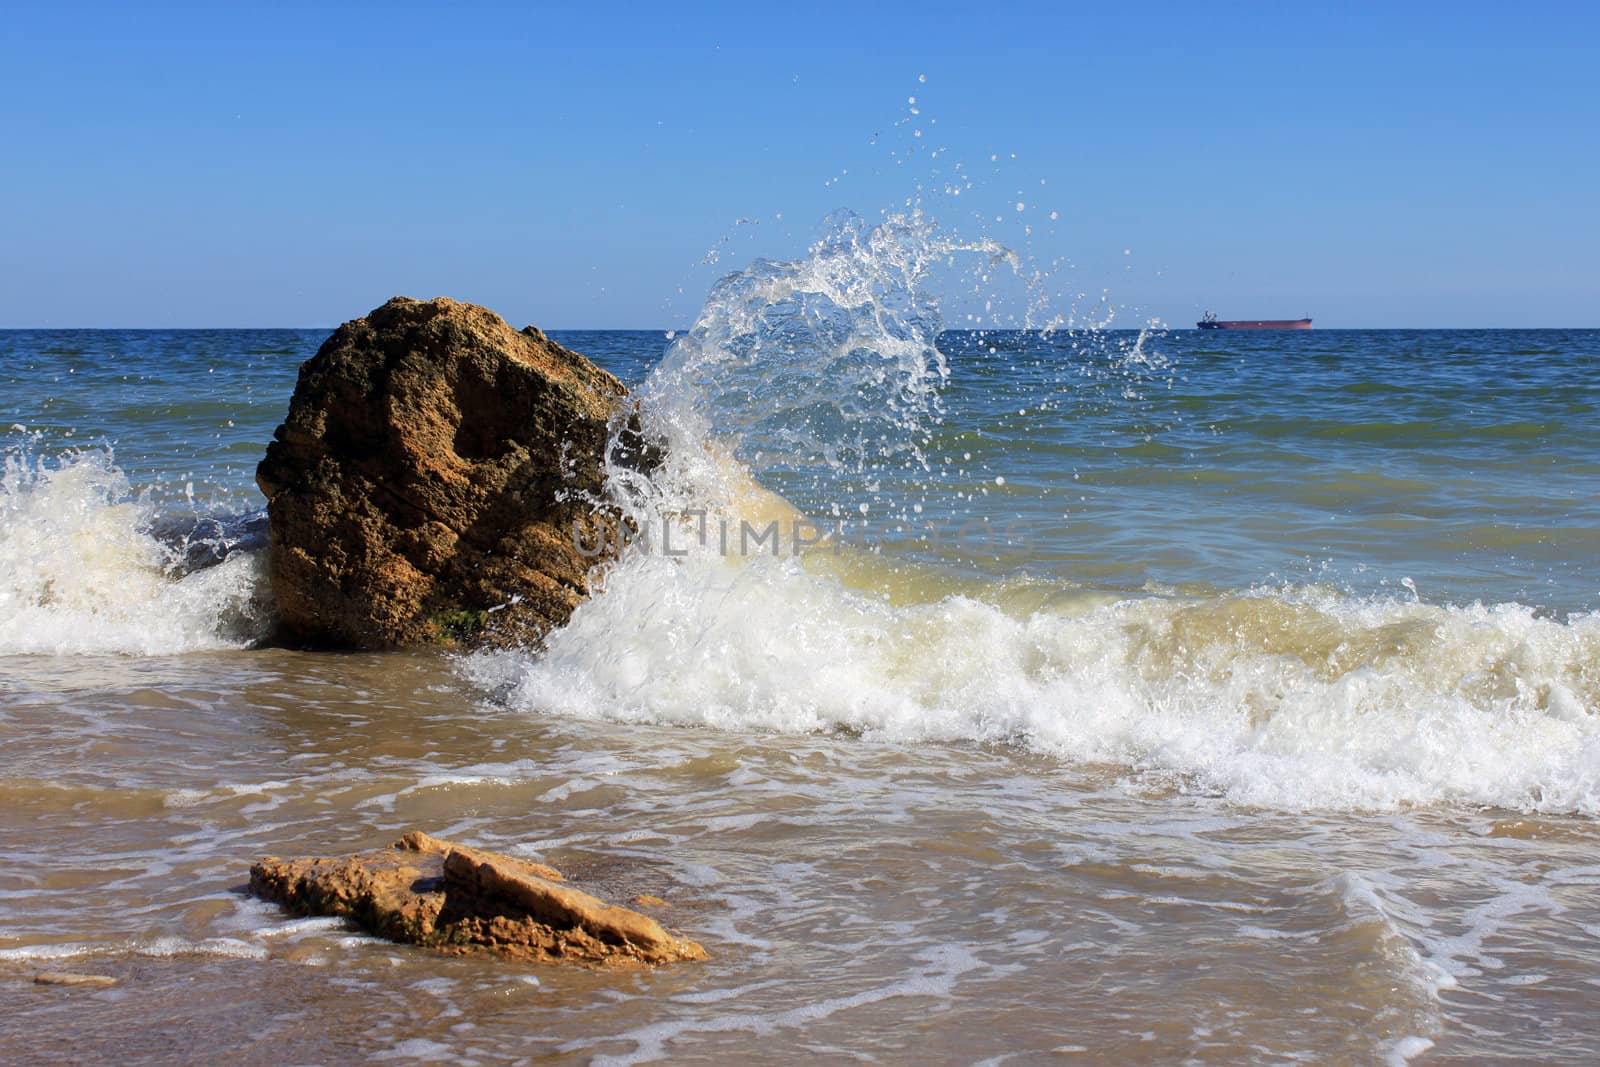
x: 1131, y: 696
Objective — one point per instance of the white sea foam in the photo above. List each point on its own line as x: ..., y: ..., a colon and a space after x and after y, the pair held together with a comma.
x: 166, y: 946
x: 1407, y: 1049
x: 81, y: 571
x: 1282, y: 699
x: 32, y: 953
x: 417, y: 1050
x: 1288, y: 698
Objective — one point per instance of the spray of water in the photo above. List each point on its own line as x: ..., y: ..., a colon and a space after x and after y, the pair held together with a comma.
x: 82, y: 568
x: 824, y: 377
x: 823, y: 372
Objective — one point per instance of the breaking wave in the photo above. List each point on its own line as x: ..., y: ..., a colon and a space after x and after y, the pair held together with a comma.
x: 1284, y: 699
x: 822, y: 376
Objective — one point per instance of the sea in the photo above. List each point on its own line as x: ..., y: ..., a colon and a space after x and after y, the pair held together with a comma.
x: 1101, y: 696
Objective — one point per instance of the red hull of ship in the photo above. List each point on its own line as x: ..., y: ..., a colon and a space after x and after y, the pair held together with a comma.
x: 1256, y: 324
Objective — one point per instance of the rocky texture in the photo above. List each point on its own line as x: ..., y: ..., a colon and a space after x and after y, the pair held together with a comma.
x: 458, y: 899
x: 425, y: 484
x: 72, y: 978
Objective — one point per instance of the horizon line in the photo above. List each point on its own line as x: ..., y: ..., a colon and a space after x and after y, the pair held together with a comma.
x: 685, y: 330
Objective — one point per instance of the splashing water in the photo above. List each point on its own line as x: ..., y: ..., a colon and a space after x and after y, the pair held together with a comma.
x: 81, y: 569
x: 823, y: 371
x: 824, y: 375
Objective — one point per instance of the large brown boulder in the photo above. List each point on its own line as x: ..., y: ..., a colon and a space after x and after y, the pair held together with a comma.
x: 425, y: 485
x: 464, y: 900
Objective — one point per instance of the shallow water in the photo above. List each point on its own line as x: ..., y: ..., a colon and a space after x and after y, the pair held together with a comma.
x: 1271, y: 734
x: 860, y: 899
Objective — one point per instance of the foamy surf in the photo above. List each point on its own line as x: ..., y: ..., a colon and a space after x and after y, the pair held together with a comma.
x: 82, y: 570
x: 163, y: 946
x: 826, y: 370
x: 1292, y: 699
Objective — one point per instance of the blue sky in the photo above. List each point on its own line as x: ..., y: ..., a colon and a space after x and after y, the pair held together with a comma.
x: 284, y: 164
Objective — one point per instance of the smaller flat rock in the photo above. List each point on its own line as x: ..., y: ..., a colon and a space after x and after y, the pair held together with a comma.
x: 464, y: 900
x: 71, y: 978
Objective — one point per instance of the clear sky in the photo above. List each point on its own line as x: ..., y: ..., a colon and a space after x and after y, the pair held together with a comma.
x: 296, y: 164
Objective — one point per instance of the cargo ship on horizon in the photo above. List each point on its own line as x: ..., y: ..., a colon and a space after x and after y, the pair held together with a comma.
x: 1211, y: 322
